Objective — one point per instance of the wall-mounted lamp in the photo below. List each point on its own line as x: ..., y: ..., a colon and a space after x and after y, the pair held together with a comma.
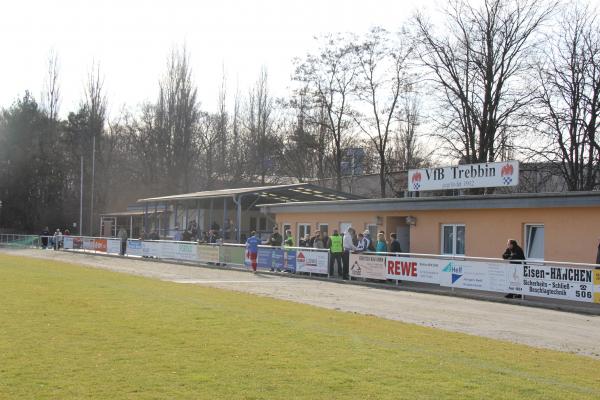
x: 410, y: 220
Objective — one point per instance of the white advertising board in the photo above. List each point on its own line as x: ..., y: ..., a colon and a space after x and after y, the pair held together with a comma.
x: 464, y: 176
x: 559, y: 282
x: 151, y: 249
x: 315, y: 262
x: 134, y: 247
x: 478, y: 275
x: 188, y: 252
x: 68, y: 242
x: 207, y: 253
x: 367, y: 266
x: 413, y: 269
x: 113, y: 246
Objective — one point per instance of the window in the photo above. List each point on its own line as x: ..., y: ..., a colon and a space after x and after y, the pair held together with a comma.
x: 534, y: 242
x: 303, y: 229
x: 324, y: 228
x: 286, y: 227
x: 344, y: 227
x: 252, y: 223
x: 372, y: 228
x: 262, y: 224
x: 453, y: 239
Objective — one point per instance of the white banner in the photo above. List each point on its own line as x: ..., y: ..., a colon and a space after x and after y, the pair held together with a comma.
x: 113, y: 246
x: 315, y: 262
x: 478, y: 275
x: 151, y: 249
x: 367, y: 266
x: 413, y: 269
x: 188, y: 252
x: 464, y: 176
x: 207, y: 253
x: 134, y: 247
x: 68, y: 242
x: 566, y: 283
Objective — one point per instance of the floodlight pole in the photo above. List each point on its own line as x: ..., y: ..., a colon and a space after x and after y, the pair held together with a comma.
x: 81, y: 198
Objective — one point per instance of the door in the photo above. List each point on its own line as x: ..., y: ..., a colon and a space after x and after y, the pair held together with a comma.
x: 403, y: 233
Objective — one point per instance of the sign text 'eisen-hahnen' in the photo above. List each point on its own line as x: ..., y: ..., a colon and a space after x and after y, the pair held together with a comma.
x: 464, y: 176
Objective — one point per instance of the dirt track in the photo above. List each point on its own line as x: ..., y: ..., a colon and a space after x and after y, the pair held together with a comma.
x: 536, y: 327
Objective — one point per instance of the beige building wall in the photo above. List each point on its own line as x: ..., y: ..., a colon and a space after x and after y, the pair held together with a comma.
x: 571, y: 234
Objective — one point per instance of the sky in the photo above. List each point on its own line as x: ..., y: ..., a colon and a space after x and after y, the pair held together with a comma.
x: 131, y: 39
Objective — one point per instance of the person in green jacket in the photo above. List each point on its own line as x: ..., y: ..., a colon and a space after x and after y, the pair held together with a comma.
x: 289, y: 239
x: 336, y: 249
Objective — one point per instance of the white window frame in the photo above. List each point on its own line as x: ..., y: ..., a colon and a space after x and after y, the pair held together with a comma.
x: 343, y: 231
x: 373, y: 234
x: 283, y: 225
x: 526, y: 240
x: 454, y: 226
x: 303, y: 224
x: 321, y: 230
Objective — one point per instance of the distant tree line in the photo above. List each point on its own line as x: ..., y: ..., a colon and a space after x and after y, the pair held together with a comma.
x: 500, y: 79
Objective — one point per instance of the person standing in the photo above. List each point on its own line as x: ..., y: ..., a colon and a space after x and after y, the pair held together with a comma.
x: 336, y: 251
x: 177, y: 235
x: 513, y: 252
x: 598, y: 253
x: 395, y: 244
x: 348, y: 243
x: 56, y: 239
x: 123, y: 237
x: 326, y: 240
x: 44, y: 235
x: 289, y: 239
x: 252, y: 249
x: 317, y: 242
x: 275, y: 239
x: 381, y: 246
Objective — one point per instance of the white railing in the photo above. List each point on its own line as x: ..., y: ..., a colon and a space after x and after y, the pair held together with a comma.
x: 546, y: 279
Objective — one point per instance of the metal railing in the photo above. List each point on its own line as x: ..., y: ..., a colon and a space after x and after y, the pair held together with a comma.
x: 450, y: 271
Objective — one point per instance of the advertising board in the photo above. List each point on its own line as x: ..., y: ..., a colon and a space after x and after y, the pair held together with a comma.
x: 367, y: 266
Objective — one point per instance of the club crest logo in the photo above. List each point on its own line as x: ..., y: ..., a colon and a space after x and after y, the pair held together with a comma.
x: 507, y: 172
x: 416, y: 180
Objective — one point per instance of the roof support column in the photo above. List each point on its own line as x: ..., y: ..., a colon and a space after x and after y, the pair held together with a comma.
x: 210, y: 214
x: 223, y: 227
x: 238, y: 203
x: 146, y: 219
x: 187, y: 215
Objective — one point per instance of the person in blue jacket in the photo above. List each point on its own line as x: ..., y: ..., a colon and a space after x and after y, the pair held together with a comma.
x: 252, y: 249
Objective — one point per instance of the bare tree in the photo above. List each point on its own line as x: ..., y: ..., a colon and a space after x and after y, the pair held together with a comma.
x: 329, y: 77
x: 477, y: 65
x: 177, y: 112
x: 568, y: 113
x: 383, y: 78
x: 51, y: 91
x: 261, y: 138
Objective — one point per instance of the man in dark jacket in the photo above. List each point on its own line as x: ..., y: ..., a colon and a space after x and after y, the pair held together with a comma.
x: 276, y: 239
x: 395, y: 244
x: 513, y: 252
x: 598, y: 253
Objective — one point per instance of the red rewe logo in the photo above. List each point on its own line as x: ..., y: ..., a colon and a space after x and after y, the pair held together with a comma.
x: 507, y: 170
x: 300, y: 257
x: 416, y: 177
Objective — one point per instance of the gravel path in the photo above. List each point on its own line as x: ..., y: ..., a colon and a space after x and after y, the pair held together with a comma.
x: 536, y: 327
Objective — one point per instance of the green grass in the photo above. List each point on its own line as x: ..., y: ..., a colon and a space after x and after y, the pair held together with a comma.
x: 70, y: 332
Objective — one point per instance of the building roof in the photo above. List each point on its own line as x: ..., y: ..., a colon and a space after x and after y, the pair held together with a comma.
x: 132, y: 213
x: 269, y: 194
x: 521, y: 200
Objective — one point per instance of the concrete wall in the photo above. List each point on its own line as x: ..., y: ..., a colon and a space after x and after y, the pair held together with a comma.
x: 571, y: 234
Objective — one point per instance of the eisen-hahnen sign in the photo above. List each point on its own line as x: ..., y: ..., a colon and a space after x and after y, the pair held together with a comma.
x: 464, y: 176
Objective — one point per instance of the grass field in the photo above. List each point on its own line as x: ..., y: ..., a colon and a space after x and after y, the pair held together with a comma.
x: 70, y: 332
